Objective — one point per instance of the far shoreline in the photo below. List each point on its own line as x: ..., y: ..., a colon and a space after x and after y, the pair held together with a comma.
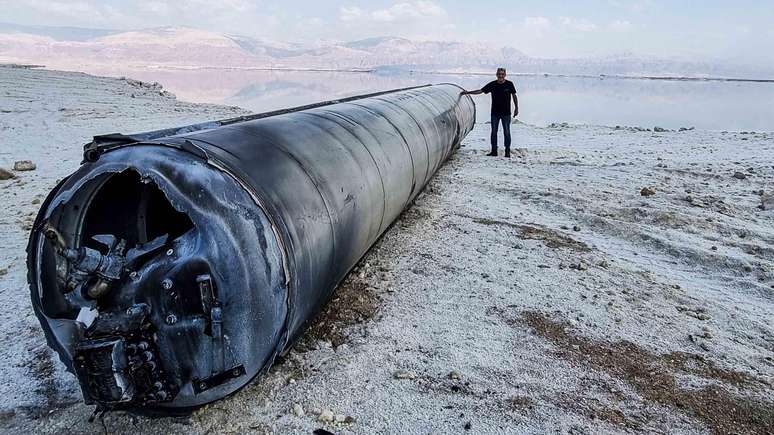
x: 390, y: 70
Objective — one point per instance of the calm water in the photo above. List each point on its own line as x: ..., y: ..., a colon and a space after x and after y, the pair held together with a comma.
x: 543, y: 100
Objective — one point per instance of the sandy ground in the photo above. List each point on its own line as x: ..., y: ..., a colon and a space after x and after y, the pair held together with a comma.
x: 539, y: 294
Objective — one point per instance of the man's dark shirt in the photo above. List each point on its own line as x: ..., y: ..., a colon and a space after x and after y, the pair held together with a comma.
x: 501, y: 96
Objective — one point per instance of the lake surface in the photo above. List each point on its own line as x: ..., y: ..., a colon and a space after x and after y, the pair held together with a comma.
x: 712, y: 105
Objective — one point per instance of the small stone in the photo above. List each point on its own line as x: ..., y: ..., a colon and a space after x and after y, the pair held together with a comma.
x: 349, y: 419
x: 739, y: 175
x: 702, y: 316
x: 340, y: 418
x: 576, y: 228
x: 454, y: 374
x: 579, y: 266
x: 326, y: 415
x: 298, y: 410
x: 5, y: 174
x: 24, y: 165
x: 647, y: 191
x: 659, y: 130
x: 36, y: 201
x: 404, y: 374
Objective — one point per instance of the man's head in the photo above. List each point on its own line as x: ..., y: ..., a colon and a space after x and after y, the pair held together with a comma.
x: 500, y: 75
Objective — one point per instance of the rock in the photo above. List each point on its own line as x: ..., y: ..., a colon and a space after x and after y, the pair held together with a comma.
x: 326, y: 415
x: 695, y: 201
x: 340, y: 418
x: 455, y: 375
x: 297, y: 410
x: 702, y: 316
x: 404, y: 374
x: 576, y: 228
x: 739, y: 175
x: 647, y: 191
x: 5, y: 174
x: 660, y: 130
x: 36, y: 201
x: 24, y: 165
x: 767, y: 202
x: 323, y: 344
x: 520, y: 153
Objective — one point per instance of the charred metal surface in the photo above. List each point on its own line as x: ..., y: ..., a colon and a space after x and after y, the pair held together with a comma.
x: 173, y: 266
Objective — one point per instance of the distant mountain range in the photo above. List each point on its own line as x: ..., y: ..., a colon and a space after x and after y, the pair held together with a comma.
x: 182, y: 47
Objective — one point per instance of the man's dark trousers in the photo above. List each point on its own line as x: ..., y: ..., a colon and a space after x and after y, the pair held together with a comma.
x: 506, y: 121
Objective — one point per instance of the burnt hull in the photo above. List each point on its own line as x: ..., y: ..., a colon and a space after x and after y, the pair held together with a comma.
x: 172, y: 267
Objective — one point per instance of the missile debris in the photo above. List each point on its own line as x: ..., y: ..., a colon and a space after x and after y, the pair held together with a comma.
x: 174, y: 266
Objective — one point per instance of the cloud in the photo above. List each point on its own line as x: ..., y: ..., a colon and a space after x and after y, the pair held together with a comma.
x: 620, y: 26
x: 410, y: 10
x: 635, y: 6
x: 351, y: 13
x: 579, y: 24
x: 68, y: 10
x: 419, y: 19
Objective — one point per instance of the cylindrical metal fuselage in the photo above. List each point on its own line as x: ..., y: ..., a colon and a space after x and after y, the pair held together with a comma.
x: 172, y: 267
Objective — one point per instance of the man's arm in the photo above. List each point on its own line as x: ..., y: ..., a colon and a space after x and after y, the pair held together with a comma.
x: 478, y: 92
x: 515, y: 105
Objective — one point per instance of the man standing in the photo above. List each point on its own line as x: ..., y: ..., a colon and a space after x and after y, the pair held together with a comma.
x: 502, y: 91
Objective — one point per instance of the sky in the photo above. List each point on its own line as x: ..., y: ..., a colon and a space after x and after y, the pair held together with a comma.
x: 740, y: 30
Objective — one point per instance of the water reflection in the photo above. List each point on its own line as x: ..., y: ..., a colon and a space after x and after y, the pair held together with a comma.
x: 647, y: 103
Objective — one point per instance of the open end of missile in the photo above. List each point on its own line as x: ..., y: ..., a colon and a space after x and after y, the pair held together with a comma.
x: 158, y: 280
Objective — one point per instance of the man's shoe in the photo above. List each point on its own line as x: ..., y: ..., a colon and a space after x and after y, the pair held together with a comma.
x: 508, y: 153
x: 492, y: 154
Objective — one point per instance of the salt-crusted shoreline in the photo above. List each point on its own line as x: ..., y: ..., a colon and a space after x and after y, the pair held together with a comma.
x: 538, y: 293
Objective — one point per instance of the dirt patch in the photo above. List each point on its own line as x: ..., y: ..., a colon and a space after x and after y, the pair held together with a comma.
x: 653, y: 377
x: 521, y: 404
x: 550, y: 238
x: 594, y: 409
x: 41, y: 367
x: 354, y: 301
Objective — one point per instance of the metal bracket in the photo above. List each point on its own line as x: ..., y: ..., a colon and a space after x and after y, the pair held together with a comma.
x: 202, y: 385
